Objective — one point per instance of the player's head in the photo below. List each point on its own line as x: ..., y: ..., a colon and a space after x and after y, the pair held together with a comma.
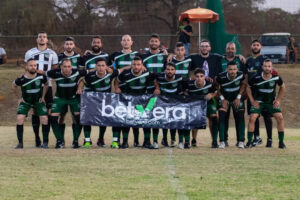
x: 170, y: 70
x: 256, y: 46
x: 126, y: 41
x: 232, y: 69
x: 292, y: 39
x: 185, y: 21
x: 96, y: 44
x: 42, y: 38
x: 69, y: 44
x: 66, y: 67
x: 205, y: 47
x: 179, y: 49
x: 31, y: 66
x: 230, y: 49
x: 267, y: 66
x: 199, y: 76
x: 137, y: 64
x: 101, y: 65
x: 154, y: 41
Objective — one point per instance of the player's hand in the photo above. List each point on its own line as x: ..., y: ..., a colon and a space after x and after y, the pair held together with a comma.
x: 118, y: 91
x: 164, y: 50
x: 208, y: 96
x: 20, y: 101
x: 242, y: 58
x: 156, y: 92
x: 170, y: 56
x: 237, y: 103
x: 209, y: 79
x: 276, y: 104
x: 255, y: 104
x: 225, y: 104
x: 79, y: 91
x: 87, y: 52
x: 109, y: 70
x: 144, y: 69
x: 41, y: 72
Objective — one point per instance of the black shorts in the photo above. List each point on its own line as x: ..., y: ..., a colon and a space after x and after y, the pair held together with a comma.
x: 49, y: 98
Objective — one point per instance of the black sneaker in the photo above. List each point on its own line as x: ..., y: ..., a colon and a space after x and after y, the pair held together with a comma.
x: 101, y: 143
x: 269, y: 143
x: 249, y: 145
x: 256, y: 142
x: 45, y: 145
x: 164, y: 142
x: 281, y: 145
x: 75, y: 145
x: 38, y: 143
x: 187, y: 145
x: 136, y: 144
x: 194, y: 142
x: 59, y: 145
x: 226, y: 143
x: 19, y: 146
x: 147, y: 145
x: 125, y: 146
x: 214, y: 145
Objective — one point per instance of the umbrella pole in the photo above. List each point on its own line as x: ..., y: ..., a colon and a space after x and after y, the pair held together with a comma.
x: 199, y: 37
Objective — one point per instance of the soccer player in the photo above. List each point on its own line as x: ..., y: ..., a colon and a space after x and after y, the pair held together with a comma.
x: 201, y: 87
x: 34, y: 87
x: 46, y: 60
x: 122, y: 59
x: 170, y: 84
x: 230, y: 55
x: 263, y: 95
x: 254, y: 66
x: 100, y: 81
x: 231, y: 85
x: 137, y: 82
x: 89, y: 62
x: 67, y: 80
x: 181, y: 62
x: 154, y: 60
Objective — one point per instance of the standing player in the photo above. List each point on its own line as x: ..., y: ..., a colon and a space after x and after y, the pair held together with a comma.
x: 66, y: 79
x: 201, y: 87
x: 34, y: 87
x: 231, y: 85
x: 136, y: 81
x: 263, y: 95
x: 46, y: 60
x: 254, y: 66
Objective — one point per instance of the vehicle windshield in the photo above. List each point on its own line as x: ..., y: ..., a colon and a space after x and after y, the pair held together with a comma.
x: 277, y: 40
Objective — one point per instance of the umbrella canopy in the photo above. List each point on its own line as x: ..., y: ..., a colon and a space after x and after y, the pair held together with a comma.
x: 200, y: 15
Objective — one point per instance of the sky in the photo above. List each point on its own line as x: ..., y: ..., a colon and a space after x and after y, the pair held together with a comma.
x: 287, y: 5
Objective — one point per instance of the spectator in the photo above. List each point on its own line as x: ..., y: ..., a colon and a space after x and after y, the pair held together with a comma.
x: 3, y: 57
x: 185, y: 34
x: 291, y: 51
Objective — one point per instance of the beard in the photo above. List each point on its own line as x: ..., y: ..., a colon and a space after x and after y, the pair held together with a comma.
x: 229, y: 54
x: 255, y: 52
x: 96, y: 49
x: 169, y: 75
x: 152, y: 47
x: 32, y: 72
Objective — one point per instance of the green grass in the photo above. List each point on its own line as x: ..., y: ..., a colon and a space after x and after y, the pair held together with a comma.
x: 198, y: 173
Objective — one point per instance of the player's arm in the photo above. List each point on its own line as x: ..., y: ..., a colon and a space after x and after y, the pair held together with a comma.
x: 237, y: 100
x: 80, y: 86
x: 45, y: 89
x: 157, y: 88
x: 253, y: 102
x: 54, y: 61
x: 16, y: 91
x: 219, y: 93
x: 118, y: 79
x: 279, y: 96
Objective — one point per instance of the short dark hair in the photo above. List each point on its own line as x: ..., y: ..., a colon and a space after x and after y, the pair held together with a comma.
x: 42, y: 32
x: 65, y: 60
x: 30, y: 59
x: 97, y: 37
x: 179, y: 44
x: 137, y: 58
x: 199, y: 70
x: 204, y: 40
x: 231, y: 63
x: 154, y: 35
x: 169, y: 64
x: 69, y: 39
x: 268, y: 60
x: 256, y: 40
x: 100, y: 60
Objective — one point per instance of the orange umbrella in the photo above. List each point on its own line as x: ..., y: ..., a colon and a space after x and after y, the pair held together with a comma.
x: 199, y: 15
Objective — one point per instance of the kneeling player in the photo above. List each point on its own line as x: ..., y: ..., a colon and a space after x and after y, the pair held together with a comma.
x: 263, y: 96
x: 200, y: 87
x: 34, y: 87
x: 231, y: 85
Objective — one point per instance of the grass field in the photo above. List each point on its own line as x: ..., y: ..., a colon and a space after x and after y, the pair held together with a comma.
x: 167, y: 173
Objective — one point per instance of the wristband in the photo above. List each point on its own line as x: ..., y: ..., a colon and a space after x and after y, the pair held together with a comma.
x: 239, y: 96
x: 222, y: 97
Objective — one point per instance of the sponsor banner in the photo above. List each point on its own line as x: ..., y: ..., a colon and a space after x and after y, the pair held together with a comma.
x: 146, y: 111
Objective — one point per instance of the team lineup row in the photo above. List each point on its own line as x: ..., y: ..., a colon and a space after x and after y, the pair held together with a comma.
x: 225, y: 81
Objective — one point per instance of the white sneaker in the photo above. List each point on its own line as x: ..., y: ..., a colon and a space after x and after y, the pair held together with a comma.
x: 180, y: 145
x: 173, y: 143
x: 222, y: 145
x: 155, y: 145
x: 241, y: 145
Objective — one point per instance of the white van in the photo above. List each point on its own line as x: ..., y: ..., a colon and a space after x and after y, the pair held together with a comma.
x: 274, y: 46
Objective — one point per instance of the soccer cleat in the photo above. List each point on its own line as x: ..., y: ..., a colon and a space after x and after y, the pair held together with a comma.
x: 222, y: 145
x: 155, y: 145
x: 226, y: 144
x: 249, y: 145
x: 59, y: 145
x: 114, y: 145
x: 237, y: 144
x: 38, y: 143
x: 269, y: 143
x: 86, y: 144
x: 281, y: 145
x: 241, y: 145
x: 187, y: 145
x: 147, y: 144
x: 214, y: 145
x: 101, y: 143
x: 137, y: 144
x: 180, y: 145
x: 257, y: 141
x: 75, y: 145
x: 45, y: 145
x: 124, y: 145
x: 173, y: 143
x: 19, y: 146
x: 194, y: 142
x: 164, y: 142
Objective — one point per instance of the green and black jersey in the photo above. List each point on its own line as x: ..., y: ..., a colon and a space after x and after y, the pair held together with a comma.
x: 170, y: 87
x: 101, y: 84
x: 241, y: 67
x: 66, y: 87
x: 183, y: 66
x: 194, y: 90
x: 89, y: 60
x: 154, y: 62
x: 75, y: 59
x: 32, y: 88
x: 135, y: 85
x: 121, y: 60
x: 230, y: 88
x: 254, y: 65
x: 264, y: 91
